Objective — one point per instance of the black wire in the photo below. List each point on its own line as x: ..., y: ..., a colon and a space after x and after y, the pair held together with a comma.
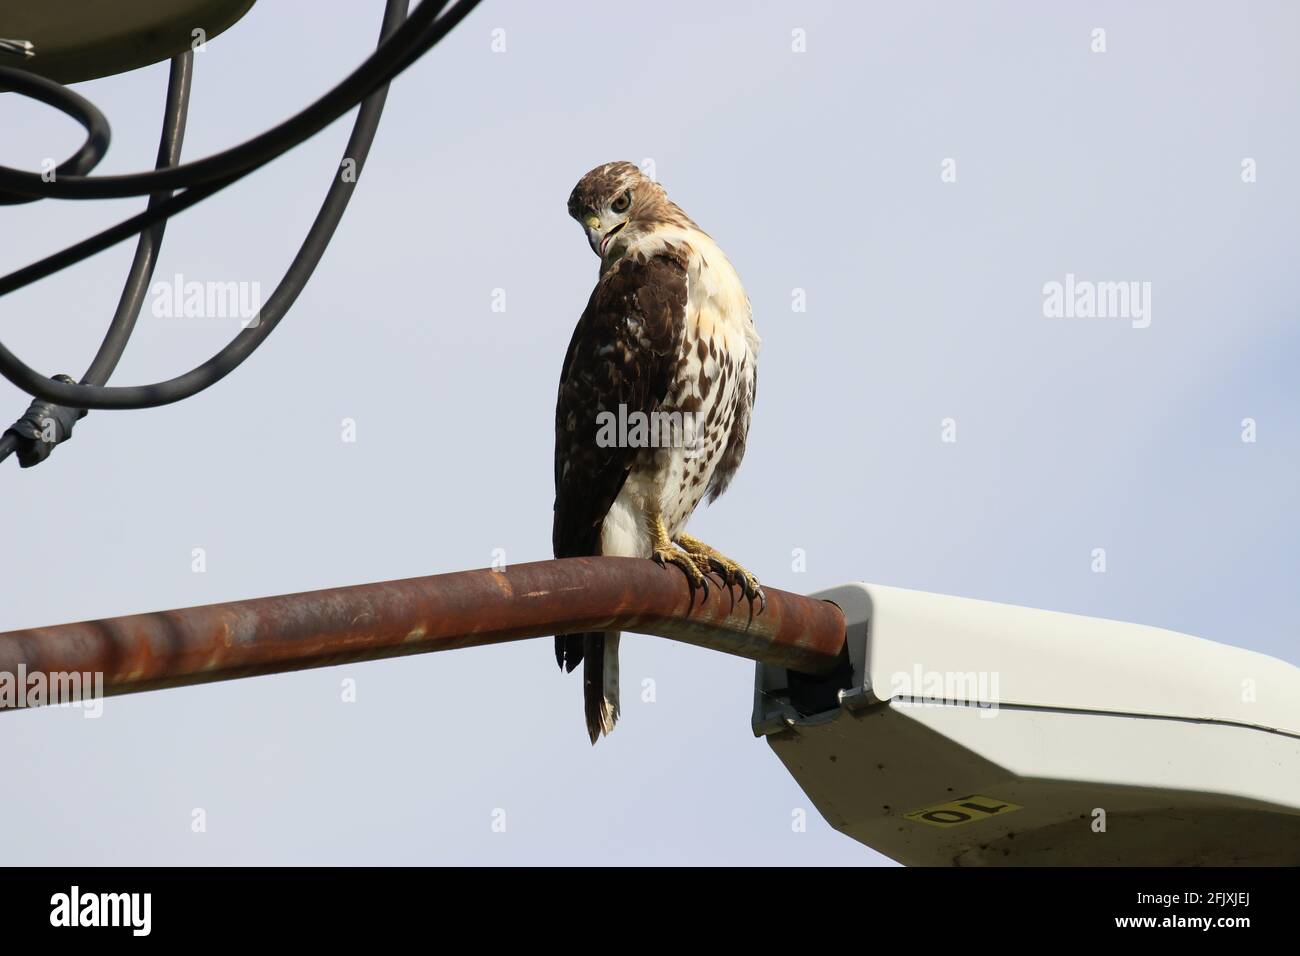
x: 397, y: 52
x: 309, y: 254
x: 73, y: 104
x: 109, y: 237
x: 175, y: 112
x: 123, y: 230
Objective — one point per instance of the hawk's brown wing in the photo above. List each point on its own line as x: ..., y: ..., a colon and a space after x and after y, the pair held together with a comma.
x: 735, y: 450
x: 623, y: 353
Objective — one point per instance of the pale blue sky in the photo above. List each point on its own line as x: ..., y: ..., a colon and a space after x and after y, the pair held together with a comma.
x: 818, y: 171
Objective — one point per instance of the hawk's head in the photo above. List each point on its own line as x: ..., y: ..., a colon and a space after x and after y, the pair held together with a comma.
x: 616, y: 203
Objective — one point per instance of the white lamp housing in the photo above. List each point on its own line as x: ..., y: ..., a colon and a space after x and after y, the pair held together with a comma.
x: 973, y: 733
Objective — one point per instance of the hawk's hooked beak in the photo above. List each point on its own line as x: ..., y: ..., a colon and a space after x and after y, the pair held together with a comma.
x: 605, y: 240
x: 592, y: 225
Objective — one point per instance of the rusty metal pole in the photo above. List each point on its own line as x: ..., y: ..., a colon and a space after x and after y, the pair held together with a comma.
x: 418, y: 615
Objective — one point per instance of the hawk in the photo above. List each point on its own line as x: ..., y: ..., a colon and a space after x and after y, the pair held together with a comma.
x: 654, y: 402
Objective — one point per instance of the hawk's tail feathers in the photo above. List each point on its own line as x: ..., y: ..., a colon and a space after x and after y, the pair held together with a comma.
x: 600, y: 682
x: 568, y: 651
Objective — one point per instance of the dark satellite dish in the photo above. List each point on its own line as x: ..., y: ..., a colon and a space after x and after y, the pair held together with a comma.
x: 74, y: 40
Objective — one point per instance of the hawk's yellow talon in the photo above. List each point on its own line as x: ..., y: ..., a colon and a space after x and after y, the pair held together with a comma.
x: 731, y: 573
x: 666, y: 556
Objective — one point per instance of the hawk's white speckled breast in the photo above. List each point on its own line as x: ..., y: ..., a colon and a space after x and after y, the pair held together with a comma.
x: 715, y: 366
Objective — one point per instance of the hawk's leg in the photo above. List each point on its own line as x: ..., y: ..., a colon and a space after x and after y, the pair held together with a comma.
x: 665, y: 554
x: 709, y: 559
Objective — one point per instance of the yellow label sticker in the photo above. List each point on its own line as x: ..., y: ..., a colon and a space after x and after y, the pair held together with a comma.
x: 963, y: 810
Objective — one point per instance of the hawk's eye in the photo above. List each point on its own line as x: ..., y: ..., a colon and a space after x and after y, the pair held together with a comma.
x: 622, y: 202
